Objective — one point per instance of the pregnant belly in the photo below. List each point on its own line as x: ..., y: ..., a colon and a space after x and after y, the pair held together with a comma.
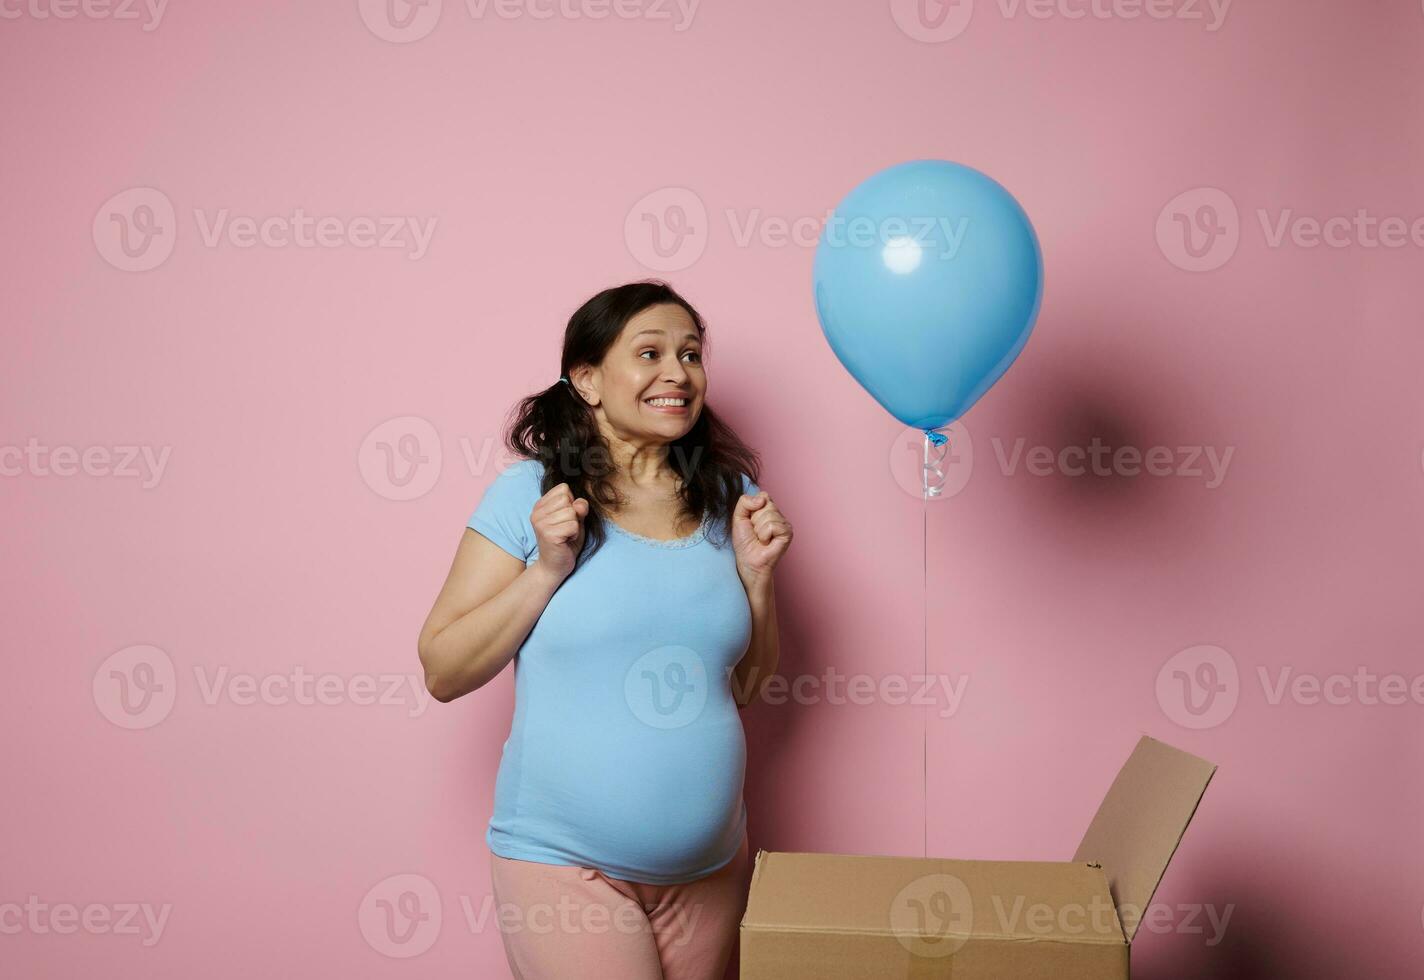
x: 663, y: 800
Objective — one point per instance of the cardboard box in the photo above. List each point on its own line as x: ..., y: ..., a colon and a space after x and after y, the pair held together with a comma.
x: 824, y: 916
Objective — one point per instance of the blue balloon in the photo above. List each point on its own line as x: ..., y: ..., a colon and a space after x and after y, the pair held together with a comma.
x: 928, y: 279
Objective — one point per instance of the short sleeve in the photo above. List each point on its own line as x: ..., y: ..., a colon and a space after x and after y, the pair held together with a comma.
x: 748, y: 487
x: 502, y: 514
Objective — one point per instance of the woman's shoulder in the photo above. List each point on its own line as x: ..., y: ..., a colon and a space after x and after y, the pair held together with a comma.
x: 520, y: 481
x: 524, y: 471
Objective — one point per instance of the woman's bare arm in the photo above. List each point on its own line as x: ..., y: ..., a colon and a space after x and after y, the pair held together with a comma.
x: 491, y: 600
x: 488, y: 605
x: 758, y: 665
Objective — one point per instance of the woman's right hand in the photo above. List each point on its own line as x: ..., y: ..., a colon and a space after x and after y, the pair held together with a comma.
x: 558, y: 526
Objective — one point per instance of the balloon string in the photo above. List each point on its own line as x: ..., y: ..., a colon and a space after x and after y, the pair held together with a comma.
x: 925, y: 602
x: 929, y: 488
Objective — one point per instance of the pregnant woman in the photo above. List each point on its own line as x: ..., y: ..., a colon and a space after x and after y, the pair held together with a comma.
x: 624, y: 564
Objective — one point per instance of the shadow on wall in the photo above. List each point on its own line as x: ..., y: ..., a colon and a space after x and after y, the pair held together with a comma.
x: 1261, y: 939
x: 1084, y: 417
x: 1103, y: 453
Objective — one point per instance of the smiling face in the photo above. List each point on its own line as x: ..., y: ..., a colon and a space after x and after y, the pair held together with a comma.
x: 658, y: 353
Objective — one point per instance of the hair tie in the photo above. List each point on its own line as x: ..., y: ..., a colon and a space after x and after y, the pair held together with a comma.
x: 563, y: 379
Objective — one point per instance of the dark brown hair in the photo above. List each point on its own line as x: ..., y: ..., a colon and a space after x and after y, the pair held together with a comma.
x: 557, y: 427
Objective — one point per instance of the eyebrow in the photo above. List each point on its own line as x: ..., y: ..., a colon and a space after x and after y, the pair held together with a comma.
x: 661, y: 332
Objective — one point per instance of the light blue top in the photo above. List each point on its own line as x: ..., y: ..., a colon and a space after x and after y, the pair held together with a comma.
x: 626, y: 752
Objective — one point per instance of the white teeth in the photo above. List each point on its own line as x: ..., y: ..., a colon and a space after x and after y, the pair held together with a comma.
x: 667, y: 401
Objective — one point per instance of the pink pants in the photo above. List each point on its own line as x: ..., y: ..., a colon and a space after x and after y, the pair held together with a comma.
x: 575, y: 923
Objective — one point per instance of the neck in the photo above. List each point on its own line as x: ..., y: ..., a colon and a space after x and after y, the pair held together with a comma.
x: 642, y: 464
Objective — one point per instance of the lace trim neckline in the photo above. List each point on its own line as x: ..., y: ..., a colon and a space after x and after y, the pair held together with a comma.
x: 673, y: 543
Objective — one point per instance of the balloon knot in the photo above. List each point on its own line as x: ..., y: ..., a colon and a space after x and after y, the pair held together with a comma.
x: 938, y: 438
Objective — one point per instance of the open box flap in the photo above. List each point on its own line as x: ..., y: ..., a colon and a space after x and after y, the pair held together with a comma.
x: 1141, y: 821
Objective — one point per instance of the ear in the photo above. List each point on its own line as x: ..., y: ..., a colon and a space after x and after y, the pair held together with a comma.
x: 585, y: 379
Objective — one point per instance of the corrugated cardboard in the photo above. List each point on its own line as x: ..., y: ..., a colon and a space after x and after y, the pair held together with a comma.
x: 1141, y: 821
x: 827, y: 916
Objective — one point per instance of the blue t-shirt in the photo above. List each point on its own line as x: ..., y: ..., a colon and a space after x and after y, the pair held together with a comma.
x: 626, y: 752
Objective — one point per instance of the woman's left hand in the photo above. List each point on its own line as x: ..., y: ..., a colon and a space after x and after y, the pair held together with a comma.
x: 760, y: 536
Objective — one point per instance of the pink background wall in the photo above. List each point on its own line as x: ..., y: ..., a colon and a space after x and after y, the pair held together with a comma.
x: 271, y: 381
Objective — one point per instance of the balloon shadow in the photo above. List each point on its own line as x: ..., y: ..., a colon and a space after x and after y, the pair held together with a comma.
x: 1110, y: 459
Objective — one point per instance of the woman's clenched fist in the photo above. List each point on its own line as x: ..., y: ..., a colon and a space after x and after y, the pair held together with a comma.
x: 760, y: 536
x: 558, y: 526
